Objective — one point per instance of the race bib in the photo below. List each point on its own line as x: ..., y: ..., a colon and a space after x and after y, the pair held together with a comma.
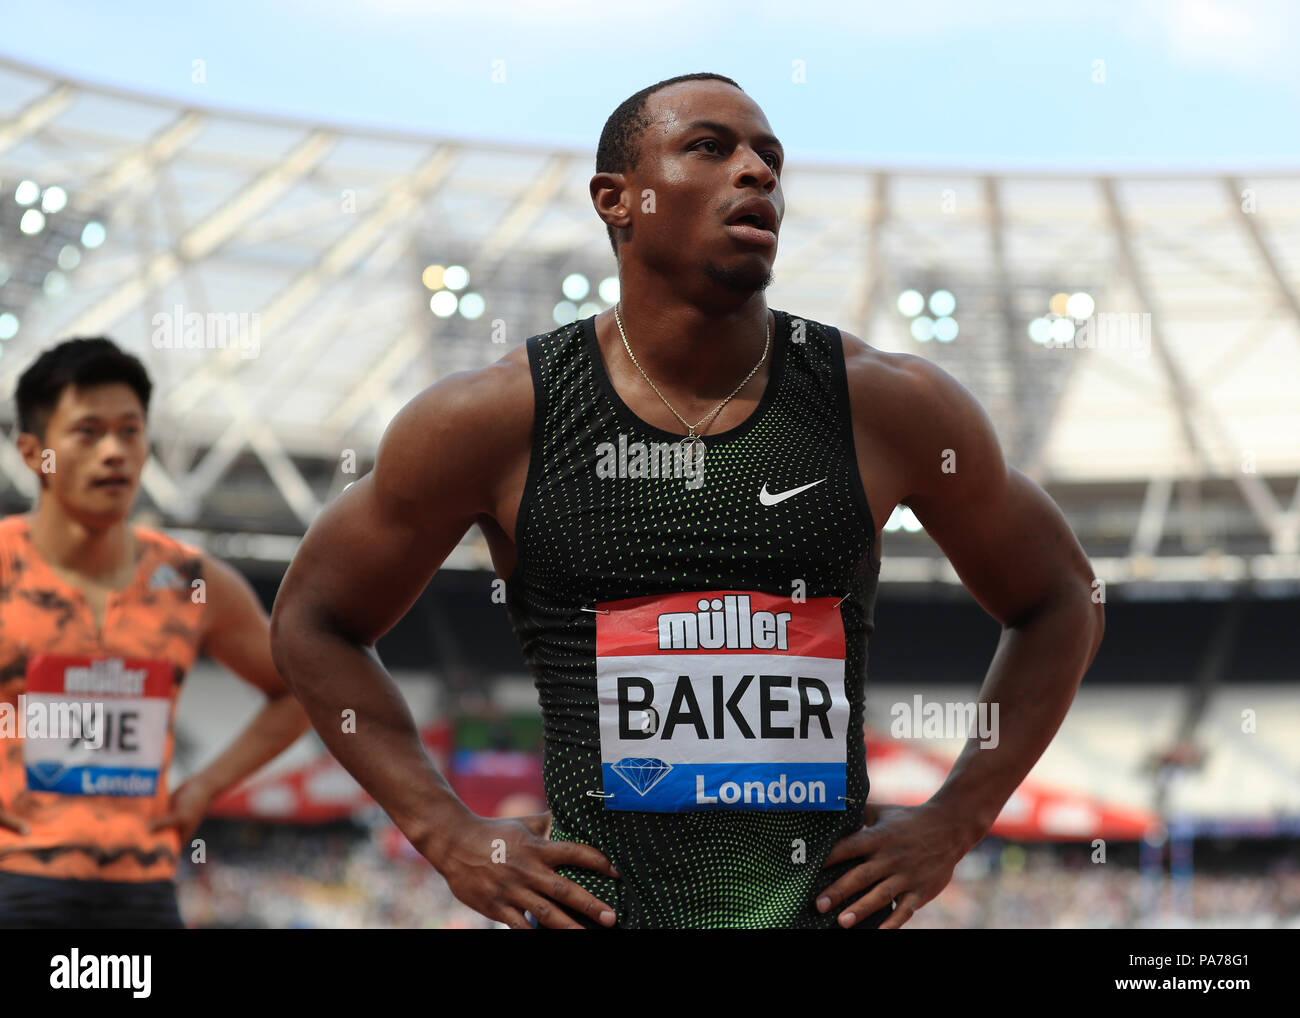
x: 95, y: 725
x: 722, y: 700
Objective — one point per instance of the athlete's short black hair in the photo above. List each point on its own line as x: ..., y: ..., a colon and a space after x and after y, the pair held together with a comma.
x: 80, y: 362
x: 620, y: 142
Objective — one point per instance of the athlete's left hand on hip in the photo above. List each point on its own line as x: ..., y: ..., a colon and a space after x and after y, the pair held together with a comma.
x: 189, y: 803
x: 908, y: 853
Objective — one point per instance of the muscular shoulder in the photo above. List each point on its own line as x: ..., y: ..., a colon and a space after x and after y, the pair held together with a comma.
x: 923, y: 413
x: 884, y: 390
x: 883, y: 379
x: 457, y: 436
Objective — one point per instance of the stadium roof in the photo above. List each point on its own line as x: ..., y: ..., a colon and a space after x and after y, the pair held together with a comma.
x: 303, y: 247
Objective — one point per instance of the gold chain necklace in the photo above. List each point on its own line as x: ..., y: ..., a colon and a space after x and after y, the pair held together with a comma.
x: 690, y: 440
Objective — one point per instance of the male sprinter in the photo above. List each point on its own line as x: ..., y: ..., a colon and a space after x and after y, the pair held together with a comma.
x: 698, y: 636
x: 96, y: 612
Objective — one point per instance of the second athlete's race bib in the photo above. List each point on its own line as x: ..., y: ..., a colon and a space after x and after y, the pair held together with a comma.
x: 103, y: 724
x: 722, y: 700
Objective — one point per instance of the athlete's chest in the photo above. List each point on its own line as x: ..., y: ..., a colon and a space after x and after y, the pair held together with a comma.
x: 44, y: 614
x: 632, y: 514
x: 94, y: 597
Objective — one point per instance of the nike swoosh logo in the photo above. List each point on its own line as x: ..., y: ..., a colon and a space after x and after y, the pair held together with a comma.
x: 767, y: 498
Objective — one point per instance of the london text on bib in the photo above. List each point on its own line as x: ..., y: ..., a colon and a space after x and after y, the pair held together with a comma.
x: 721, y: 699
x: 119, y: 750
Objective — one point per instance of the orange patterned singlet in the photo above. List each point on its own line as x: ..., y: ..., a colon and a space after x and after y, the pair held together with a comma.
x: 88, y: 801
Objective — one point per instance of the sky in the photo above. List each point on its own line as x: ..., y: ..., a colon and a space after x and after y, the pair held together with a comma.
x: 1063, y: 85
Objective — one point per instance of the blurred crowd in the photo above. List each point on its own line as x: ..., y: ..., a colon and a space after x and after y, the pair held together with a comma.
x: 261, y: 876
x: 269, y: 877
x: 1048, y: 892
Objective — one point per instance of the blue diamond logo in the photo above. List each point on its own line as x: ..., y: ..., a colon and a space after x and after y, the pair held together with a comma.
x: 641, y: 772
x: 47, y: 772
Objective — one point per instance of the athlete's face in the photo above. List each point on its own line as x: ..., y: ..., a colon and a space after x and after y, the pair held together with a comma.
x: 94, y: 449
x: 708, y: 149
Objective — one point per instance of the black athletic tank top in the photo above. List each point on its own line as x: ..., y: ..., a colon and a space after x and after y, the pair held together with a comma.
x: 698, y: 636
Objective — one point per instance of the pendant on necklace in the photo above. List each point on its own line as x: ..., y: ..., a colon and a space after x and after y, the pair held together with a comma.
x: 692, y: 448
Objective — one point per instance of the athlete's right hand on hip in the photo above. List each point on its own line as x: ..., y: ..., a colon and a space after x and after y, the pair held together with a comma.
x: 502, y: 867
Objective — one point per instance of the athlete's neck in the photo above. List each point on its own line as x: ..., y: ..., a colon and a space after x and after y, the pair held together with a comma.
x: 67, y: 543
x: 699, y: 353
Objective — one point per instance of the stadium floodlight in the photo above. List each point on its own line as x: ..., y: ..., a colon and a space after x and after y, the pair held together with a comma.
x: 911, y: 303
x: 54, y: 199
x: 69, y: 257
x: 33, y: 221
x: 93, y: 234
x: 609, y: 289
x: 1040, y: 330
x: 575, y: 286
x: 471, y: 306
x: 1080, y: 306
x: 455, y: 277
x: 1063, y: 331
x: 588, y: 309
x: 26, y: 192
x: 431, y: 277
x: 942, y: 303
x: 945, y: 329
x: 443, y: 303
x: 922, y: 329
x: 1057, y: 304
x: 8, y: 326
x: 565, y: 312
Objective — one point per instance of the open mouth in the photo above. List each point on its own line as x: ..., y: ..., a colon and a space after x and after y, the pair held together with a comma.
x: 753, y: 221
x: 112, y: 484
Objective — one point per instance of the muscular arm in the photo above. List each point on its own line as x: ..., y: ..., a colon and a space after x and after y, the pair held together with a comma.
x: 1014, y: 551
x: 364, y: 562
x: 448, y: 459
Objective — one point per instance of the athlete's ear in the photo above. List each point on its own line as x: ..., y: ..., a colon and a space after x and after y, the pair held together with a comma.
x: 32, y: 450
x: 29, y: 447
x: 609, y: 199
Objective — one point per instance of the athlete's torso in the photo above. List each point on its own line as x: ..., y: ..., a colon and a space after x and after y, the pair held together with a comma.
x: 89, y: 810
x: 704, y: 721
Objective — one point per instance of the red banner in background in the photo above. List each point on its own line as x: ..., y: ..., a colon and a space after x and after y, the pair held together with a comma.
x: 315, y: 792
x: 903, y: 772
x: 489, y: 782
